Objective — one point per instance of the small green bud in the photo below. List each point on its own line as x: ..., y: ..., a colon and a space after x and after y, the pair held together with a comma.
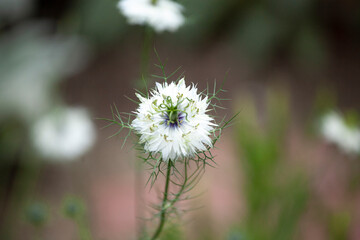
x: 234, y: 235
x: 36, y: 214
x: 73, y: 207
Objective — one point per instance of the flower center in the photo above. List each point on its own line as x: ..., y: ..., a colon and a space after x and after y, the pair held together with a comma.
x: 174, y: 118
x: 153, y: 2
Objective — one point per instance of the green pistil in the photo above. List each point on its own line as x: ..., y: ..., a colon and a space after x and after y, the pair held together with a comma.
x: 171, y: 110
x: 153, y: 2
x: 173, y: 116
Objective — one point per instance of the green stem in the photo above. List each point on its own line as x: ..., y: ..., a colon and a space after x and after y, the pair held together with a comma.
x: 38, y: 234
x: 140, y: 226
x: 22, y: 183
x: 163, y: 206
x: 145, y: 53
x: 84, y: 231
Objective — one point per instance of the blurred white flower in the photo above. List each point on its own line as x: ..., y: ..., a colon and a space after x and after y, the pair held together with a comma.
x: 64, y: 134
x: 332, y: 127
x: 174, y: 121
x: 31, y: 65
x: 162, y: 15
x: 15, y: 9
x: 335, y: 130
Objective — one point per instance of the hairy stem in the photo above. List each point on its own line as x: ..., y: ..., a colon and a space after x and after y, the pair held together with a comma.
x: 84, y: 231
x: 177, y: 196
x: 163, y: 205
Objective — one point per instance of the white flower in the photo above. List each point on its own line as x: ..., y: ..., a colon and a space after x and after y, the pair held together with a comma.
x: 335, y: 130
x: 173, y: 121
x: 31, y: 66
x: 64, y: 134
x: 332, y: 127
x: 162, y: 15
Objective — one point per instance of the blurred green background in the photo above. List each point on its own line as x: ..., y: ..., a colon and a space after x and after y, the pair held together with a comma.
x: 289, y: 62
